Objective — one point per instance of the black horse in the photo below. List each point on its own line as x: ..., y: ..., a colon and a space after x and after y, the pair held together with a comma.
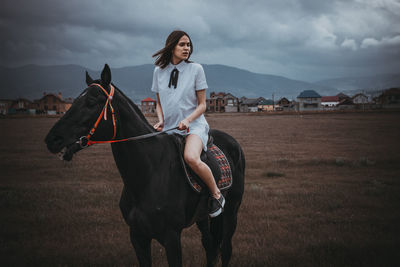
x: 156, y: 201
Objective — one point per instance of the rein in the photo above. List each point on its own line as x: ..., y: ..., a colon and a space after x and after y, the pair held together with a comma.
x: 85, y: 141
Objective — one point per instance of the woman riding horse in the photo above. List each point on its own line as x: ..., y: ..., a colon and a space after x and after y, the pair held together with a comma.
x: 156, y: 200
x: 181, y: 86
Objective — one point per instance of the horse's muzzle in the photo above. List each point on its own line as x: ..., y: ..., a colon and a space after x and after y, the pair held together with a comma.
x: 57, y: 144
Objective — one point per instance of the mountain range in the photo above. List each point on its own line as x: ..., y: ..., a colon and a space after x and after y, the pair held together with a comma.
x: 31, y: 81
x: 365, y: 83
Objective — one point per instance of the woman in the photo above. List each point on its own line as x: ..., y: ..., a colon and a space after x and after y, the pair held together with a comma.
x: 181, y: 86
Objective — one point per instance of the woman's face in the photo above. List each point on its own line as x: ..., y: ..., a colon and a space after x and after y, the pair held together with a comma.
x: 181, y: 50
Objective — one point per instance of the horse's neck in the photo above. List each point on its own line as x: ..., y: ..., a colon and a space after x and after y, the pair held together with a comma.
x: 147, y: 166
x: 134, y: 158
x: 131, y: 121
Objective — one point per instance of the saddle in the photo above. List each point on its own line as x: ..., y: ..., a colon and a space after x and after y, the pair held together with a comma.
x: 214, y: 158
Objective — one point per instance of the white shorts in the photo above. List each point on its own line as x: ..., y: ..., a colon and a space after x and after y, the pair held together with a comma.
x: 201, y: 131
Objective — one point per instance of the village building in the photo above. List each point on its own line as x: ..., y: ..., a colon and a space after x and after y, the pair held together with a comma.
x: 222, y: 102
x: 309, y: 100
x: 253, y: 104
x: 390, y: 98
x: 17, y: 106
x: 231, y: 103
x: 148, y: 105
x: 360, y: 99
x: 216, y: 102
x: 249, y: 105
x: 345, y: 104
x: 284, y: 104
x: 242, y: 99
x: 266, y: 105
x: 52, y: 104
x: 329, y: 101
x: 20, y: 106
x: 5, y: 105
x: 343, y: 96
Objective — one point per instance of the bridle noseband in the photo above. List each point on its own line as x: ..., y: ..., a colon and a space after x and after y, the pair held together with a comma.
x: 84, y: 141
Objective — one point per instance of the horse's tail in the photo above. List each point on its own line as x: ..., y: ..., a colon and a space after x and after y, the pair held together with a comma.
x: 241, y: 162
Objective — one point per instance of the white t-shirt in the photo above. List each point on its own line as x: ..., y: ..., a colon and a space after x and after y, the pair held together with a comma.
x: 178, y: 103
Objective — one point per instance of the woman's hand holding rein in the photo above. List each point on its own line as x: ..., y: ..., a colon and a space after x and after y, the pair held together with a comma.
x: 184, y: 124
x: 159, y: 126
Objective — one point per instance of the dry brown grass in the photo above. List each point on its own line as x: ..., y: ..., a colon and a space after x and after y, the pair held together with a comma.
x: 321, y: 190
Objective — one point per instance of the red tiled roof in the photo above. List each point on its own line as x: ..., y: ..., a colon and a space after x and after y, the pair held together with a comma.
x: 148, y: 99
x: 330, y: 98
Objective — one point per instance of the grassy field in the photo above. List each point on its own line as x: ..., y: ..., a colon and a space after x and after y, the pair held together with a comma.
x: 321, y: 190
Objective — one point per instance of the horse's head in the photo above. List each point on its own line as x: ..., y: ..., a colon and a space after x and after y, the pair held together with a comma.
x: 79, y: 120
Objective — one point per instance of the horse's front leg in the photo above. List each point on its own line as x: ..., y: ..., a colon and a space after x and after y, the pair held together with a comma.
x: 142, y: 247
x: 172, y: 243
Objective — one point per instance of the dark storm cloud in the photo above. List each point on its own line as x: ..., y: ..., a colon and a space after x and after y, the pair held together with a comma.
x: 299, y: 39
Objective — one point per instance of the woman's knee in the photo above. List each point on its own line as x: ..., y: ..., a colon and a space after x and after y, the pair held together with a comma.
x: 191, y: 159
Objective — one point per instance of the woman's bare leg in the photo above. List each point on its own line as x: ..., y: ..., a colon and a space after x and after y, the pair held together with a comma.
x: 193, y: 149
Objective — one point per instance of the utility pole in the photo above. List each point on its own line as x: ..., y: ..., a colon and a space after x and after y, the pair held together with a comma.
x: 273, y: 102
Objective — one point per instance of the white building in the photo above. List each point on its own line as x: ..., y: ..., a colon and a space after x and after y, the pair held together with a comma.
x: 360, y: 99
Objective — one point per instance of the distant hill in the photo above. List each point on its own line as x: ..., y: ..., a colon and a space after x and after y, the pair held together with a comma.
x: 245, y: 83
x: 31, y: 81
x: 368, y: 83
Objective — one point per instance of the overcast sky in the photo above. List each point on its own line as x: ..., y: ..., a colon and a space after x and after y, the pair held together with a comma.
x: 300, y: 39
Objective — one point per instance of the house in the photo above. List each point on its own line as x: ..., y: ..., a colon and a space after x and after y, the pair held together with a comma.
x: 266, y: 105
x: 342, y: 96
x: 5, y: 105
x: 329, y: 101
x: 52, y: 104
x: 345, y: 103
x: 231, y: 103
x: 390, y: 98
x: 284, y: 104
x: 148, y: 105
x: 309, y: 100
x: 249, y: 105
x: 242, y: 98
x: 360, y: 99
x: 216, y: 102
x: 252, y: 104
x: 20, y: 106
x: 222, y: 102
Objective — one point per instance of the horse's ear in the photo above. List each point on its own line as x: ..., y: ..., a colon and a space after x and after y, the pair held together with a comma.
x: 89, y: 79
x: 106, y: 75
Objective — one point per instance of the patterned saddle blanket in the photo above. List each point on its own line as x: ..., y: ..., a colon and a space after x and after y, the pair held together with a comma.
x: 215, y: 158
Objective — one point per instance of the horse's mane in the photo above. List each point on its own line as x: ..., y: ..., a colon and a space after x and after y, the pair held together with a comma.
x: 134, y: 107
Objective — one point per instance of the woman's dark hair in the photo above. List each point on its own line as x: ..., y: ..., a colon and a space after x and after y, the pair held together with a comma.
x: 164, y: 55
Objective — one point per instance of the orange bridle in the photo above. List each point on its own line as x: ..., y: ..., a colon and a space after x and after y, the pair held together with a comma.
x: 103, y: 113
x: 85, y: 141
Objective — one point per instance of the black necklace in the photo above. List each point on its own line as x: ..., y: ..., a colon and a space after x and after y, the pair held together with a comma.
x: 173, y: 79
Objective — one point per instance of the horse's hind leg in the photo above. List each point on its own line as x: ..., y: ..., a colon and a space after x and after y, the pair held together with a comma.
x: 208, y: 241
x: 142, y: 247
